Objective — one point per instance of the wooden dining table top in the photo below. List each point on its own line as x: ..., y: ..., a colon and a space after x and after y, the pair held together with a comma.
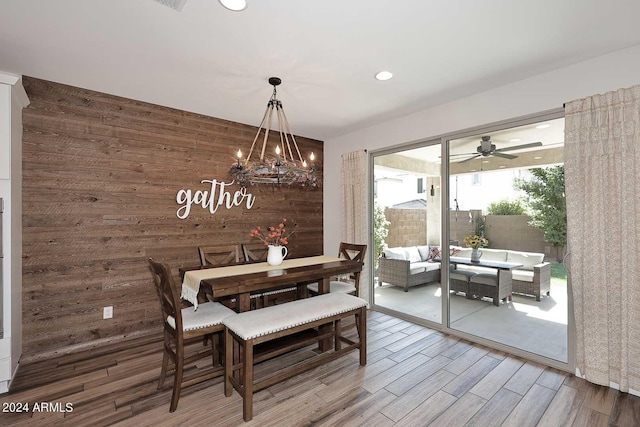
x: 236, y: 282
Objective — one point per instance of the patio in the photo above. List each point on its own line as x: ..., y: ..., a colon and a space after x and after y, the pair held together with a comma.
x: 539, y: 327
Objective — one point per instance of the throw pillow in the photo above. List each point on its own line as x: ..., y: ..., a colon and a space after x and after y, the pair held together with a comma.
x: 434, y: 253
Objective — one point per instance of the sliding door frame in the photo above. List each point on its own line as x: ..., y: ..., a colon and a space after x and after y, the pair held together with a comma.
x: 443, y: 140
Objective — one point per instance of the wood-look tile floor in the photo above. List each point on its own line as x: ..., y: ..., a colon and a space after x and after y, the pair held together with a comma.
x: 415, y: 376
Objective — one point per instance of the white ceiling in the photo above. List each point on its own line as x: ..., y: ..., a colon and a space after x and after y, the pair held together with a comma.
x: 212, y: 61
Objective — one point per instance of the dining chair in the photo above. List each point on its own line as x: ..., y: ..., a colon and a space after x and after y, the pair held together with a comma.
x: 257, y: 252
x: 220, y: 255
x: 182, y: 326
x: 350, y: 284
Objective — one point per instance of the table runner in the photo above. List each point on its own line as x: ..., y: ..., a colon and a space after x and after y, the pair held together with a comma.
x: 192, y: 278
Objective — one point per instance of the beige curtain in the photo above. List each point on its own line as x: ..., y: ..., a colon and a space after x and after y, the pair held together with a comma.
x: 354, y: 208
x: 602, y: 178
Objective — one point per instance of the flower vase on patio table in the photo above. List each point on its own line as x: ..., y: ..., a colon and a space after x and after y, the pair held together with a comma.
x: 475, y: 255
x: 276, y: 254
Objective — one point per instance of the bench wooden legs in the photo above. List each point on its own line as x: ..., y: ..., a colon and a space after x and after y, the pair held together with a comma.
x: 239, y: 357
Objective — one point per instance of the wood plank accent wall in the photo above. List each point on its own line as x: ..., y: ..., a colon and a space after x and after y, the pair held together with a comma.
x: 101, y: 175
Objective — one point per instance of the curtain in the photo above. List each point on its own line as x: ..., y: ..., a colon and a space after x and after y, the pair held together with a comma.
x: 602, y: 181
x: 354, y: 208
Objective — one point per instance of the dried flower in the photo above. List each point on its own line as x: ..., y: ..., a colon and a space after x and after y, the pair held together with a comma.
x: 276, y: 236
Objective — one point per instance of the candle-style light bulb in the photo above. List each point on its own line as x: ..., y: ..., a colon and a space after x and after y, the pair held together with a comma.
x: 312, y: 157
x: 239, y: 154
x: 278, y: 150
x: 304, y: 163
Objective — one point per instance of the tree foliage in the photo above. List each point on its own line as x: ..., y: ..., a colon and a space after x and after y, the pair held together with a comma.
x: 380, y: 230
x: 506, y: 207
x: 546, y: 201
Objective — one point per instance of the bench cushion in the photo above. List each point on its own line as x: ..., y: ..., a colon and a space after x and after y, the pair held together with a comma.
x: 256, y: 323
x: 207, y: 314
x: 484, y: 278
x: 523, y: 275
x: 463, y: 275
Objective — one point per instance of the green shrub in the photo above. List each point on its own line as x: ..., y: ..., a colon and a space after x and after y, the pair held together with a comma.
x: 506, y: 207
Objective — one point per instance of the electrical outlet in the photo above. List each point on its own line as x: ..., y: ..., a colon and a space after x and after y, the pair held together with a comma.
x: 107, y: 312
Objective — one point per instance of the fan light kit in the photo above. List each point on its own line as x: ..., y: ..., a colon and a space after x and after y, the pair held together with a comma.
x: 488, y: 148
x: 234, y: 5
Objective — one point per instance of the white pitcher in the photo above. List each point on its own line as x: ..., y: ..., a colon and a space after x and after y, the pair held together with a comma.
x: 276, y: 254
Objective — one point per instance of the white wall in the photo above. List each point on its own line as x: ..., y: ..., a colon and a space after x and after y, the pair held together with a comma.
x: 13, y: 99
x: 533, y: 95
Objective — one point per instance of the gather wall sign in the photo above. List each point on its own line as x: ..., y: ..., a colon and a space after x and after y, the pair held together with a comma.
x: 215, y: 197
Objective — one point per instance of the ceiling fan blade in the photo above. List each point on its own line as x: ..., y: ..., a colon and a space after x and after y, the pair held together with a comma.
x: 504, y: 156
x: 470, y: 158
x: 462, y: 154
x: 519, y: 147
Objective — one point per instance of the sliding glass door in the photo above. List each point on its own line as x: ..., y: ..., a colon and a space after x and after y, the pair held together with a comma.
x: 506, y: 198
x: 406, y: 227
x: 500, y: 192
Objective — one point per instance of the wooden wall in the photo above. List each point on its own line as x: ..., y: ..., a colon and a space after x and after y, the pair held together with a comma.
x: 101, y: 175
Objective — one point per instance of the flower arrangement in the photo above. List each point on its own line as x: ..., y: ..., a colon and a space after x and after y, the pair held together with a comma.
x: 276, y: 236
x: 474, y: 241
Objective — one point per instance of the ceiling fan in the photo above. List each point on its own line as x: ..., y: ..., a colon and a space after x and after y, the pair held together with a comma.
x: 487, y: 148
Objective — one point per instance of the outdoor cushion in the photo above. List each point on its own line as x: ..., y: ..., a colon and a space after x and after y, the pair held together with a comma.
x: 416, y: 270
x: 464, y: 253
x: 493, y: 254
x: 414, y: 255
x: 462, y: 275
x: 485, y: 278
x: 527, y: 259
x: 522, y: 275
x: 395, y: 253
x: 424, y: 252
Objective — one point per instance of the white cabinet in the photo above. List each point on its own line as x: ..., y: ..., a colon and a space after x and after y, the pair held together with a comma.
x: 12, y: 100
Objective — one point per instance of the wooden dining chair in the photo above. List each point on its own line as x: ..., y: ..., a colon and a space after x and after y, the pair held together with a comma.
x: 351, y: 283
x: 257, y: 252
x: 183, y: 326
x: 220, y: 255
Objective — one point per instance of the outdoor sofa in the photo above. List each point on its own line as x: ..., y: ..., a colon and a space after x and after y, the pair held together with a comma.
x: 415, y: 265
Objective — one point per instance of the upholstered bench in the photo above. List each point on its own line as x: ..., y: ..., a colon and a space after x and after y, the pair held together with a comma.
x: 488, y: 285
x: 251, y: 328
x: 459, y: 281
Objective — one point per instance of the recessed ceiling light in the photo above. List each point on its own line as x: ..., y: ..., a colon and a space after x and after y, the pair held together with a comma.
x: 485, y: 161
x: 473, y: 170
x: 234, y: 5
x: 502, y: 166
x: 537, y: 157
x: 514, y: 140
x: 544, y: 126
x: 384, y: 75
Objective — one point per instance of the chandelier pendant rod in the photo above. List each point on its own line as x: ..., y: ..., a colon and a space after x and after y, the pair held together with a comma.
x: 266, y: 132
x: 283, y: 133
x: 264, y: 117
x: 293, y: 138
x: 283, y: 136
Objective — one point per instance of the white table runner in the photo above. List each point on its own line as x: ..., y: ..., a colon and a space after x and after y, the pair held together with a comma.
x: 192, y: 278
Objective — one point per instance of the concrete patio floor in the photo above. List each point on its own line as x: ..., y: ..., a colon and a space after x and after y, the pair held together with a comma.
x: 524, y: 323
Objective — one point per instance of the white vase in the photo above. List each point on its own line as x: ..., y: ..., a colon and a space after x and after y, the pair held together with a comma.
x: 475, y: 255
x: 276, y: 254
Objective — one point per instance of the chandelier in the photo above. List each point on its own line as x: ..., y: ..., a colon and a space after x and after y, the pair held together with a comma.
x: 283, y: 165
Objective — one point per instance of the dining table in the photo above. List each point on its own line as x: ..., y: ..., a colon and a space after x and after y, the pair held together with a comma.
x: 242, y: 280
